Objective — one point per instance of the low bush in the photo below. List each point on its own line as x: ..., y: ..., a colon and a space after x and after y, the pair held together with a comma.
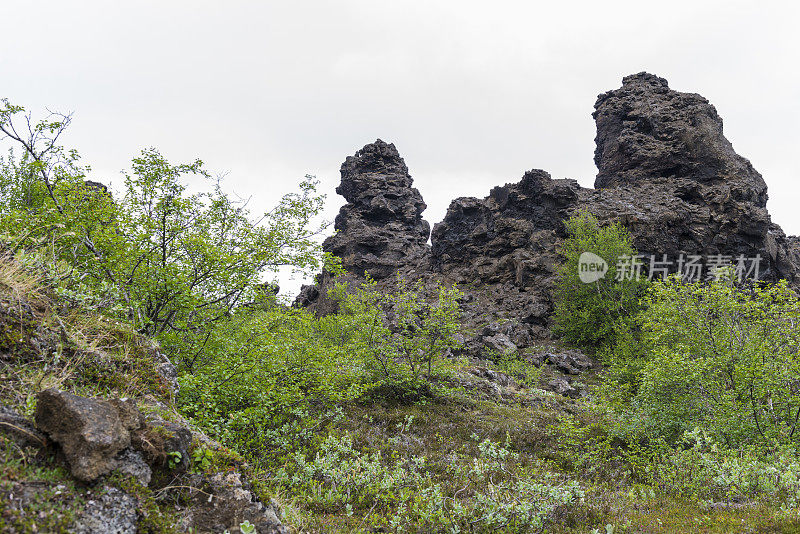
x: 593, y: 315
x: 711, y: 471
x: 724, y: 359
x: 400, y: 335
x: 489, y: 494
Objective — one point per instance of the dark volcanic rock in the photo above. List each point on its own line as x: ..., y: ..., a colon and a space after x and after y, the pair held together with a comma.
x: 669, y: 173
x: 563, y: 387
x: 646, y: 131
x: 380, y: 229
x: 666, y: 172
x: 508, y: 237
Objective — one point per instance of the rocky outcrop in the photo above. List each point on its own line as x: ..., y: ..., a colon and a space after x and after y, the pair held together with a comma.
x: 98, y: 437
x: 380, y: 229
x: 665, y: 171
x: 646, y: 131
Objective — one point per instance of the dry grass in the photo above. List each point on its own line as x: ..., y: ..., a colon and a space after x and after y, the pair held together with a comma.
x: 45, y: 342
x: 19, y: 282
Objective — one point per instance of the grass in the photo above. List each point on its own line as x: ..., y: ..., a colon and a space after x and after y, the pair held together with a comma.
x: 67, y: 347
x: 88, y: 353
x: 670, y: 514
x: 17, y: 280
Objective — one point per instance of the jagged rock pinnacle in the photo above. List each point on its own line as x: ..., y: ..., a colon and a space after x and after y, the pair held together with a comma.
x: 666, y: 172
x: 647, y: 131
x: 380, y: 229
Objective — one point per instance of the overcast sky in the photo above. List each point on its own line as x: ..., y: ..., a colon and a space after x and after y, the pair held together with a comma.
x: 473, y: 94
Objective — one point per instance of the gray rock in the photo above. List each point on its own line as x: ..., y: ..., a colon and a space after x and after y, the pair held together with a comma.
x: 493, y: 376
x: 563, y: 387
x: 159, y: 439
x: 569, y: 362
x: 499, y: 344
x: 112, y: 511
x: 167, y: 371
x: 90, y: 431
x: 130, y: 462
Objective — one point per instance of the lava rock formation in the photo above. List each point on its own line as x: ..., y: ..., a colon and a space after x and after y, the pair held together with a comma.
x: 666, y: 172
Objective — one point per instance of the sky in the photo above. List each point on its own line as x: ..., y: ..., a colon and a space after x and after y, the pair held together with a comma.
x: 473, y: 94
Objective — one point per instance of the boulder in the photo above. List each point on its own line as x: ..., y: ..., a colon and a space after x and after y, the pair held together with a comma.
x: 91, y: 432
x: 563, y: 387
x: 569, y: 362
x: 161, y: 441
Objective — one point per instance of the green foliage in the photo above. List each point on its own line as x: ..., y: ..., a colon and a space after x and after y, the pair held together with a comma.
x: 593, y: 314
x: 494, y: 492
x: 202, y: 459
x: 271, y: 378
x: 521, y: 368
x: 724, y: 359
x: 709, y: 470
x: 174, y: 459
x: 174, y: 263
x: 400, y: 335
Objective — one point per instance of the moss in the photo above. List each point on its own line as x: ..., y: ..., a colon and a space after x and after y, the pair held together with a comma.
x: 18, y: 329
x: 36, y: 492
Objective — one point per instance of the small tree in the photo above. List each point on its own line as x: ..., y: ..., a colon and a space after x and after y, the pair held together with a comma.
x: 179, y: 263
x: 401, y: 335
x: 593, y: 314
x: 724, y: 359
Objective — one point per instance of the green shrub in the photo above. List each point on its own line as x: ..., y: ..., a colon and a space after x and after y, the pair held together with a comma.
x: 724, y: 359
x: 595, y: 314
x: 520, y: 367
x: 401, y: 336
x: 272, y: 378
x: 709, y: 470
x: 172, y: 262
